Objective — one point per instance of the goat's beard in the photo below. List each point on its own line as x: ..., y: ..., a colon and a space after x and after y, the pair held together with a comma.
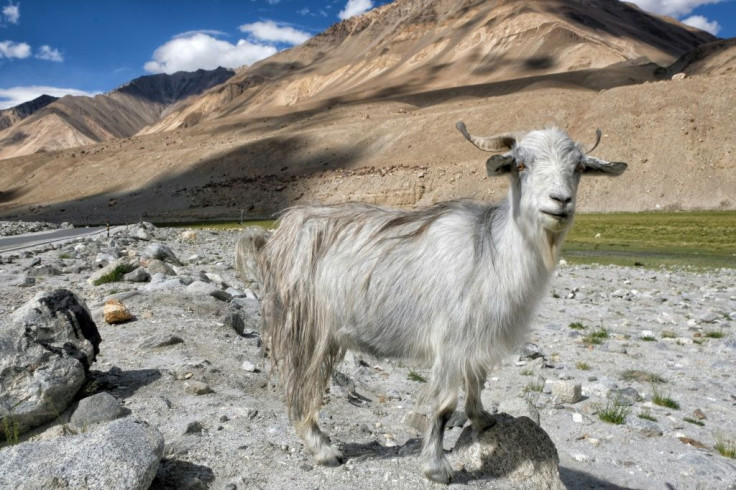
x: 551, y: 245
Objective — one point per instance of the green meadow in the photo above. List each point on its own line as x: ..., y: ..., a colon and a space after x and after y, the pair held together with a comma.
x: 699, y: 239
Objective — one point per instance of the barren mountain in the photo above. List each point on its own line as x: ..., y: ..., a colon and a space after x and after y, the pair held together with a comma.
x: 412, y: 46
x: 10, y: 116
x: 366, y: 111
x: 75, y: 120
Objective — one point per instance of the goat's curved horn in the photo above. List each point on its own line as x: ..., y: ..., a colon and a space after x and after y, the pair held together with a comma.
x: 598, y: 135
x: 501, y: 142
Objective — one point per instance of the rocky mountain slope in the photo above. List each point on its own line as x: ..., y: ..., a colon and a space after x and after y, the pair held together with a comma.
x: 76, y: 120
x: 10, y: 116
x: 366, y: 111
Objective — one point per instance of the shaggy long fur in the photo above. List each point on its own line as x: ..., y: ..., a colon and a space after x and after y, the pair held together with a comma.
x: 454, y: 285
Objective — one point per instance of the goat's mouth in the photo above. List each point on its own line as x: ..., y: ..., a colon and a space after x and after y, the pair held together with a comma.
x: 558, y: 215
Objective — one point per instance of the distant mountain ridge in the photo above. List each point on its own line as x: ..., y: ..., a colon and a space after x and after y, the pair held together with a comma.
x: 76, y: 120
x: 17, y: 113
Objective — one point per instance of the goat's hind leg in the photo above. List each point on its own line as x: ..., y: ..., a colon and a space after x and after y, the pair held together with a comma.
x: 479, y: 418
x: 317, y: 443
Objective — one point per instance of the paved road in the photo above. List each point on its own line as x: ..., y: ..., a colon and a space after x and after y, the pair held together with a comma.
x: 18, y: 242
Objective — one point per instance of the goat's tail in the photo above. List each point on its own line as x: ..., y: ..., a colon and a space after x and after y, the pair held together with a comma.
x: 247, y: 250
x: 296, y: 327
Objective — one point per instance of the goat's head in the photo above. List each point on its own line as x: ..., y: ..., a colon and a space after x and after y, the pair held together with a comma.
x: 545, y: 167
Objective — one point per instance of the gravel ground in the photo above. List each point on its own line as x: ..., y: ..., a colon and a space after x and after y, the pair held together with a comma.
x: 182, y: 366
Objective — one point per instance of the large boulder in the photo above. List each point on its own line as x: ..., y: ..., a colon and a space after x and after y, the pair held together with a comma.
x: 514, y: 453
x: 246, y: 255
x: 46, y: 349
x: 122, y: 454
x: 161, y: 252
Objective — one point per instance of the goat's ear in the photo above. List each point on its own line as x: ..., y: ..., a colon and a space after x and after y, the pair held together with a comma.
x: 595, y: 166
x: 499, y: 165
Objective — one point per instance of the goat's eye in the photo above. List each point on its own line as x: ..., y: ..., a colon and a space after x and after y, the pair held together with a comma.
x: 520, y: 166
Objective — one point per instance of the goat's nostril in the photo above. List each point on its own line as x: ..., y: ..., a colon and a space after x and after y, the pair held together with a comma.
x: 562, y: 199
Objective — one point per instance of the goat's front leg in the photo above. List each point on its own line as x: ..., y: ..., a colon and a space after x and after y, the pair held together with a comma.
x: 474, y: 380
x: 436, y: 467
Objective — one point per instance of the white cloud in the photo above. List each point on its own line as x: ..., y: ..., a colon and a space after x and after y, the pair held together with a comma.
x: 211, y: 32
x: 278, y: 33
x: 10, y: 49
x: 13, y: 96
x: 303, y: 11
x: 48, y: 53
x: 11, y: 12
x: 675, y: 8
x: 355, y: 7
x: 700, y: 22
x: 203, y: 51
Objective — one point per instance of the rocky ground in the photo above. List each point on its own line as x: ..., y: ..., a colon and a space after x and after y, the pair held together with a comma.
x: 189, y: 364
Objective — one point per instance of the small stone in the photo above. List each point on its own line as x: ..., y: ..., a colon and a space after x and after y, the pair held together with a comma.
x: 203, y: 288
x: 193, y: 428
x: 648, y: 428
x: 530, y: 351
x: 679, y: 76
x: 417, y: 421
x: 699, y: 414
x: 100, y: 407
x: 566, y: 391
x: 625, y: 396
x: 137, y: 275
x: 709, y: 317
x: 115, y: 312
x: 577, y: 418
x: 161, y: 252
x: 249, y: 367
x: 156, y: 266
x: 161, y: 340
x: 197, y: 388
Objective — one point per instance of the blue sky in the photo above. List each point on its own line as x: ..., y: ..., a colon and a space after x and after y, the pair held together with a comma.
x: 87, y: 47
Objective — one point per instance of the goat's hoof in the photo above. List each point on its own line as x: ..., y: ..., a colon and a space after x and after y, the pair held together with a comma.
x: 483, y: 421
x: 439, y: 472
x: 328, y: 456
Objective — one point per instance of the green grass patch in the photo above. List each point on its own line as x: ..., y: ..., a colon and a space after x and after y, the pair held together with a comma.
x: 726, y: 447
x: 664, y: 400
x: 222, y: 225
x: 115, y: 275
x: 702, y: 239
x: 714, y: 334
x: 648, y: 338
x: 527, y: 372
x: 668, y: 334
x: 641, y: 376
x: 596, y: 337
x: 583, y: 366
x: 647, y: 416
x: 693, y: 421
x: 65, y: 255
x: 535, y: 386
x: 415, y: 376
x: 11, y: 430
x: 577, y: 326
x: 614, y: 412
